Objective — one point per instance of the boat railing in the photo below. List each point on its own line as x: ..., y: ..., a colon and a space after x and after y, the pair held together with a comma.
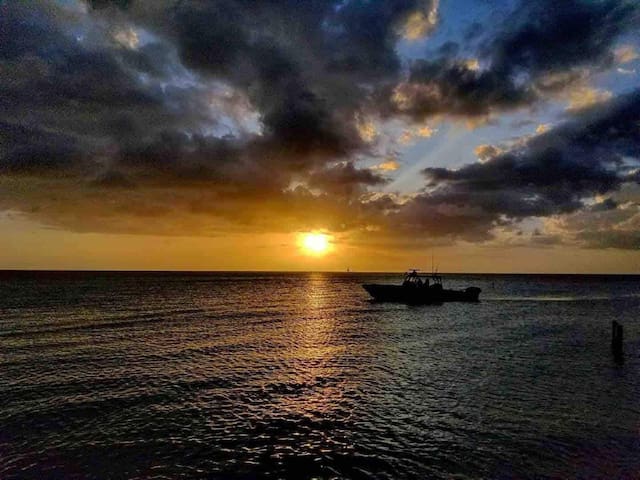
x: 412, y: 277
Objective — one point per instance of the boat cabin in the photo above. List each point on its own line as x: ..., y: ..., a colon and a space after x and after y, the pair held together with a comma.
x: 413, y: 278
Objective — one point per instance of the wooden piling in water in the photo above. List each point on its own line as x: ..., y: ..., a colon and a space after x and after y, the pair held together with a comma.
x: 617, y: 336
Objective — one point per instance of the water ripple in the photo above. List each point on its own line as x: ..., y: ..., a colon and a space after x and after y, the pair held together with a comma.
x: 300, y: 376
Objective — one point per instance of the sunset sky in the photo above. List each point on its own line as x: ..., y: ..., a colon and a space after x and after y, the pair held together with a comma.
x: 497, y: 136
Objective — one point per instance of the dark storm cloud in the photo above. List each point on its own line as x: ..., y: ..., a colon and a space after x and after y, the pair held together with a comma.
x: 59, y: 82
x: 344, y: 179
x: 28, y: 150
x: 98, y: 4
x: 174, y: 155
x: 22, y: 33
x: 551, y: 173
x: 197, y: 161
x: 191, y: 109
x: 538, y: 52
x: 547, y: 36
x: 298, y: 64
x: 355, y: 37
x: 605, y: 205
x: 449, y: 86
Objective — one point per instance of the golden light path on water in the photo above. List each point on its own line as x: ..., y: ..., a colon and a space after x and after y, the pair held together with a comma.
x: 315, y: 351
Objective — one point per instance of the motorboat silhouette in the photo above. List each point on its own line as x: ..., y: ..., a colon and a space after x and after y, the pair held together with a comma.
x: 420, y: 289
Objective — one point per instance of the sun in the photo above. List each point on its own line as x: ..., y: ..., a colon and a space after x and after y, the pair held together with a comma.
x: 315, y: 243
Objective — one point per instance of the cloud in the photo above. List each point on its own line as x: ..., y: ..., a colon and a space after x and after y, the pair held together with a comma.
x: 472, y: 64
x: 582, y: 97
x: 449, y: 86
x: 195, y: 117
x: 604, y: 205
x: 100, y: 4
x: 127, y: 38
x: 614, y: 222
x: 486, y: 152
x: 389, y: 165
x: 129, y: 112
x: 543, y: 127
x: 625, y: 54
x: 523, y: 63
x: 367, y: 130
x: 420, y: 23
x: 412, y: 134
x: 585, y: 30
x: 548, y: 174
x: 33, y: 151
x: 344, y: 179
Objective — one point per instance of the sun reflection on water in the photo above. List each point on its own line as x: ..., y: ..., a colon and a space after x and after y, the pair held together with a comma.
x: 314, y: 352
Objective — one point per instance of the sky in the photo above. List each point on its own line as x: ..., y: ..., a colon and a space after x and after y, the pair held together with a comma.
x: 491, y: 135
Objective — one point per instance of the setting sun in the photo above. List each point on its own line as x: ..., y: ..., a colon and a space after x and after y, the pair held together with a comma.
x: 315, y: 243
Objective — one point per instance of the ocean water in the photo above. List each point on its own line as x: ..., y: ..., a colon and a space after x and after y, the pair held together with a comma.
x: 257, y: 375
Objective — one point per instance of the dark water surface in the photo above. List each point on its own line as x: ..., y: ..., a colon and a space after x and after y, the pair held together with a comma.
x: 106, y: 375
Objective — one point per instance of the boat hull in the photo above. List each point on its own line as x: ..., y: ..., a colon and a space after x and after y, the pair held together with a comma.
x: 417, y: 295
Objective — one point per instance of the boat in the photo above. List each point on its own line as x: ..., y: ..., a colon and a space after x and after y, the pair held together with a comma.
x: 420, y: 289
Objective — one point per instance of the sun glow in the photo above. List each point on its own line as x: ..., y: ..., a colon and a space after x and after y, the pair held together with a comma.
x: 314, y: 243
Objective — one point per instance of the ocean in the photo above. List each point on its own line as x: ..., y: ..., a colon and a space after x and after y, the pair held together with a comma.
x: 301, y: 376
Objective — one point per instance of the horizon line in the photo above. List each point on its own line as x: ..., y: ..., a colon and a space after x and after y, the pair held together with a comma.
x: 395, y: 272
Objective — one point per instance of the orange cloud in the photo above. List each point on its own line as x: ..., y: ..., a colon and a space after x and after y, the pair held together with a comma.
x: 388, y: 166
x: 543, y: 127
x: 485, y: 152
x: 409, y: 135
